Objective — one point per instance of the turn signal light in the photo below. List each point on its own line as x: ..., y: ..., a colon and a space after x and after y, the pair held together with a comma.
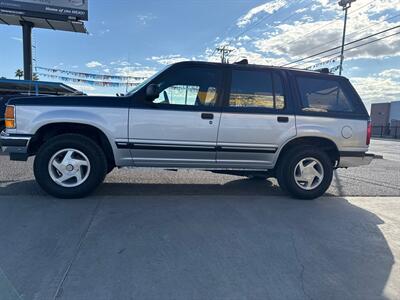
x: 10, y: 117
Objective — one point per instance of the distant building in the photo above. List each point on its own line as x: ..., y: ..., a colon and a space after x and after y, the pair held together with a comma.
x: 394, y: 113
x: 385, y: 119
x: 380, y: 113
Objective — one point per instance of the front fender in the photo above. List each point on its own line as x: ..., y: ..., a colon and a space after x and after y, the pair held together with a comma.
x: 113, y: 122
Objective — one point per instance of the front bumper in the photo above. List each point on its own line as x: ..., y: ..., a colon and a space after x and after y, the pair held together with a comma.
x: 348, y: 160
x: 15, y: 144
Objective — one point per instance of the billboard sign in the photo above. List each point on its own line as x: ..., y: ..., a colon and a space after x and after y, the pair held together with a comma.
x: 63, y: 10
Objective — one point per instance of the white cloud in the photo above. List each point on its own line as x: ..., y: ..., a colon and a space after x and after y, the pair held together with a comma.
x: 240, y: 52
x: 103, y: 32
x: 382, y: 5
x: 269, y: 7
x: 304, y: 36
x: 145, y: 19
x: 94, y: 64
x: 244, y: 38
x: 300, y: 10
x: 391, y: 73
x: 135, y: 71
x: 375, y: 89
x: 16, y: 39
x: 302, y: 39
x: 168, y: 59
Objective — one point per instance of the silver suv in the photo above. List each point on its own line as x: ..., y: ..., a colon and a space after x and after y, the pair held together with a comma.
x: 248, y: 120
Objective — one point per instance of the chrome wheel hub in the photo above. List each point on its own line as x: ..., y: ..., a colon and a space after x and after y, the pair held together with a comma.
x: 69, y: 168
x: 308, y: 173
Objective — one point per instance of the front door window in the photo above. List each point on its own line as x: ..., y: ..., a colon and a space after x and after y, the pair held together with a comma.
x: 192, y: 87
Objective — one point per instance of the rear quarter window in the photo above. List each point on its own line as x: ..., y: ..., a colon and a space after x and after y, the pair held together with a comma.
x: 324, y: 95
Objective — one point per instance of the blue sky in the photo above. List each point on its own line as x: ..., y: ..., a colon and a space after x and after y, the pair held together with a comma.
x: 140, y: 37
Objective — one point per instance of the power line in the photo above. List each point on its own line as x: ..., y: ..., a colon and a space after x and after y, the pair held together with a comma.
x: 327, y: 24
x: 224, y: 53
x: 283, y: 20
x: 352, y: 33
x: 338, y: 47
x: 287, y: 18
x: 357, y: 46
x: 252, y: 26
x: 260, y: 21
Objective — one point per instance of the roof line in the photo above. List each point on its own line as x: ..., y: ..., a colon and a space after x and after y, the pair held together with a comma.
x: 52, y: 27
x: 1, y: 19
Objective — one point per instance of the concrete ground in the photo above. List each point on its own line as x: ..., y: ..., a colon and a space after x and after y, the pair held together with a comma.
x: 194, y: 247
x: 151, y: 234
x: 390, y: 149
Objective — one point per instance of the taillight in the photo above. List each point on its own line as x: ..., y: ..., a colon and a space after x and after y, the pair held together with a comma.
x: 10, y: 116
x: 369, y: 132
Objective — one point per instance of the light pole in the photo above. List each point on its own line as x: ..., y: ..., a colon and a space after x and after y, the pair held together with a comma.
x: 345, y: 4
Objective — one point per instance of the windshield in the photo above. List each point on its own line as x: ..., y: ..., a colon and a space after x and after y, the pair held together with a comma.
x: 142, y: 84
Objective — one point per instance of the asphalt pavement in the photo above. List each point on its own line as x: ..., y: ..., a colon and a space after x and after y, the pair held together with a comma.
x: 380, y: 178
x: 154, y: 234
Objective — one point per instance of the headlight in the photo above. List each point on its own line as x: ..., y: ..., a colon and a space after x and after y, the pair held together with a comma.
x: 10, y: 116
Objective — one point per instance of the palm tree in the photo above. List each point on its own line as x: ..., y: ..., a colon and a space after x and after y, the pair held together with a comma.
x: 35, y: 77
x: 19, y: 73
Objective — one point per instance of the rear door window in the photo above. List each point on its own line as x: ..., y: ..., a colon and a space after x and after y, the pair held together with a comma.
x: 256, y: 89
x: 323, y: 95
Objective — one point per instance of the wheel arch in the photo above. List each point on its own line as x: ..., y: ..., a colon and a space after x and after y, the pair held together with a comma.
x: 51, y: 130
x: 325, y: 144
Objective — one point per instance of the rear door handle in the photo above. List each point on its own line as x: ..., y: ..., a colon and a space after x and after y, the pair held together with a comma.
x: 283, y: 119
x: 207, y: 116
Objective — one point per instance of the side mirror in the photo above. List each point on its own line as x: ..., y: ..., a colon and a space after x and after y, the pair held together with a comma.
x: 152, y: 92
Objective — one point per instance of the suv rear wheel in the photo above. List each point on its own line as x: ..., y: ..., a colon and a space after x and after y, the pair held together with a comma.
x: 305, y: 172
x: 70, y: 166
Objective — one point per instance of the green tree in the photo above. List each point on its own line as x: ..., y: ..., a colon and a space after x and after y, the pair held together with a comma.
x: 19, y: 73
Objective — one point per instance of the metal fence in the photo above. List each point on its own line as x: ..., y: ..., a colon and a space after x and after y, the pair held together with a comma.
x: 392, y: 132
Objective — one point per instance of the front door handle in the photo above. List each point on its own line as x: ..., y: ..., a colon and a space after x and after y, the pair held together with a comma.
x: 207, y: 116
x: 283, y: 119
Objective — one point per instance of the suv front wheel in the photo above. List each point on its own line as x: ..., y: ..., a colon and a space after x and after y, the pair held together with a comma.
x: 306, y: 172
x: 70, y: 166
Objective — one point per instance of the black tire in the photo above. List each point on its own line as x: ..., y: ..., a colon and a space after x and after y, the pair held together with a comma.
x: 93, y: 152
x: 110, y: 168
x: 280, y: 177
x: 286, y: 172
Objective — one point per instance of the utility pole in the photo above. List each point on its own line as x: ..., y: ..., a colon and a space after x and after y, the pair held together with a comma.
x: 224, y: 51
x: 27, y: 43
x: 345, y: 4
